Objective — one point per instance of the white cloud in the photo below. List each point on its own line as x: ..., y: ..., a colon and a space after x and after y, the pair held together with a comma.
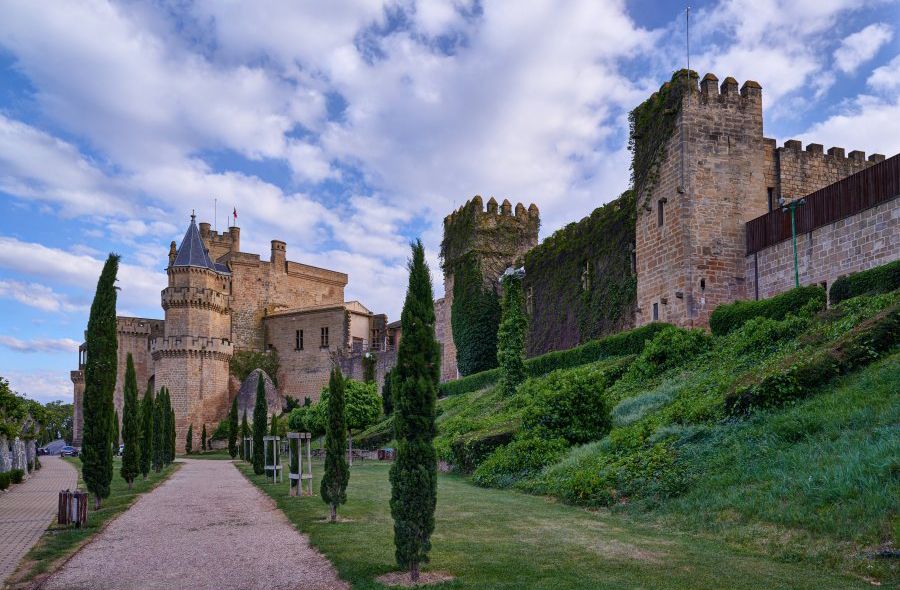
x: 38, y: 296
x: 887, y: 77
x: 861, y: 46
x: 867, y: 123
x: 39, y: 344
x: 43, y: 385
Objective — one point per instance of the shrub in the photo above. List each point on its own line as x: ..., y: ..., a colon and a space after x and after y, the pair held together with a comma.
x: 519, y: 459
x: 469, y: 450
x: 632, y: 409
x: 881, y: 279
x: 731, y: 316
x: 670, y: 347
x: 16, y: 475
x: 624, y: 343
x: 4, y: 480
x: 570, y: 404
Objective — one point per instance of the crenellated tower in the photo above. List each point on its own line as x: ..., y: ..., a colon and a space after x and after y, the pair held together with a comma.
x: 192, y: 357
x: 491, y: 239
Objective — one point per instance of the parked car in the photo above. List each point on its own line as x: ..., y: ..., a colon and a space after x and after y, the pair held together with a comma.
x: 41, y: 451
x: 68, y: 451
x: 121, y: 450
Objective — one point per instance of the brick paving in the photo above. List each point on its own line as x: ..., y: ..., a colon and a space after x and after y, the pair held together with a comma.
x: 28, y: 508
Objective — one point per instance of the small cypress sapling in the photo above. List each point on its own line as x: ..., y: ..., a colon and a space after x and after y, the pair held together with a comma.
x: 99, y: 384
x: 147, y: 409
x: 415, y: 383
x: 511, y: 334
x: 259, y: 426
x: 203, y: 438
x: 189, y: 440
x: 337, y: 473
x: 233, y: 429
x: 131, y: 425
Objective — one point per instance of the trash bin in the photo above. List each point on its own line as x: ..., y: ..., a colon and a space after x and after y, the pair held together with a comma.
x: 72, y: 508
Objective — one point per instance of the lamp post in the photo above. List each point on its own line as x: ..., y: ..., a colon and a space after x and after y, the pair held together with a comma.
x: 792, y: 206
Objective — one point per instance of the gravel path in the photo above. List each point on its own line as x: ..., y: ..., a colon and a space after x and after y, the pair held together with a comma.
x: 205, y: 527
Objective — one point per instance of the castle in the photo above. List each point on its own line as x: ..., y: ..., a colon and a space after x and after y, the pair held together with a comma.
x: 703, y: 224
x: 220, y: 303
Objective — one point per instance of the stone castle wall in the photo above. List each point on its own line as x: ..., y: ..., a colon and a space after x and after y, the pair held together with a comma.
x: 869, y: 238
x: 793, y: 172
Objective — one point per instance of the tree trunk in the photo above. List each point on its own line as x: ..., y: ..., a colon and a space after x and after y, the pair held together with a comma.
x: 97, y: 501
x: 350, y: 447
x: 334, y: 513
x: 414, y: 572
x: 129, y: 484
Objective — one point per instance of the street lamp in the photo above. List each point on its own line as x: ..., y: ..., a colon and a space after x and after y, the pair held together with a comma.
x: 792, y: 206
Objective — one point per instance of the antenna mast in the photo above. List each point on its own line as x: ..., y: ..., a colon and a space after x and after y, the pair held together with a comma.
x: 687, y: 36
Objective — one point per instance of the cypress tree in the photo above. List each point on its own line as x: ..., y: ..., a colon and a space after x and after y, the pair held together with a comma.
x: 245, y: 432
x: 203, y: 439
x: 131, y: 426
x: 368, y: 362
x: 159, y: 430
x: 511, y: 335
x: 259, y: 426
x: 233, y: 429
x: 414, y: 384
x: 116, y: 439
x: 147, y: 410
x: 189, y: 440
x: 171, y: 429
x: 387, y: 399
x: 273, y: 431
x: 337, y: 474
x: 99, y: 384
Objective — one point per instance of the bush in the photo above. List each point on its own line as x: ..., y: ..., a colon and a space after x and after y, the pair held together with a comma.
x: 469, y: 450
x: 623, y: 343
x: 4, y: 480
x: 519, y: 459
x: 881, y: 279
x: 632, y: 409
x: 570, y: 404
x: 16, y: 476
x: 670, y: 347
x: 731, y: 316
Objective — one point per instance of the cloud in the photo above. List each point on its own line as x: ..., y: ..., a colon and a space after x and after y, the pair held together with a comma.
x: 39, y: 344
x: 41, y: 385
x: 861, y: 46
x: 867, y: 122
x: 38, y: 296
x: 887, y: 77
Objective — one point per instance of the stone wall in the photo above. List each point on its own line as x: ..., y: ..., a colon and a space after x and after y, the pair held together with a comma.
x: 444, y: 334
x: 352, y: 365
x: 133, y: 335
x: 793, y: 172
x: 78, y: 405
x: 862, y: 241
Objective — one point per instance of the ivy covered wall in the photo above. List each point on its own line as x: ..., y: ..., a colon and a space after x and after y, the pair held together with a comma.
x: 579, y: 282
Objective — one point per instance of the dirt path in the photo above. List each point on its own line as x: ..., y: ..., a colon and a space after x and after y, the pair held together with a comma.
x: 27, y: 508
x: 206, y: 527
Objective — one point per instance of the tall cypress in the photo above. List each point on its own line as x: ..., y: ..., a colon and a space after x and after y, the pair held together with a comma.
x: 171, y: 428
x: 336, y: 474
x: 159, y: 430
x: 189, y: 440
x: 233, y: 429
x: 203, y: 439
x: 387, y: 399
x: 131, y: 426
x: 245, y: 432
x: 116, y: 439
x: 148, y: 408
x: 511, y: 335
x: 99, y: 384
x: 414, y: 384
x: 259, y: 426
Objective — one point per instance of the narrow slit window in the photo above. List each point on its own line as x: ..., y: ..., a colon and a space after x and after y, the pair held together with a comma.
x: 660, y: 212
x: 298, y: 344
x: 325, y: 337
x: 655, y: 312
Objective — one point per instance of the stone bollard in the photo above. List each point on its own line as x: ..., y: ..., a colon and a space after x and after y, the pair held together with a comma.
x: 19, y: 460
x: 5, y: 456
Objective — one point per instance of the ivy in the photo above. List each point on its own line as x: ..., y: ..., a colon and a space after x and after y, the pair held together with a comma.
x: 245, y: 362
x: 475, y: 317
x: 579, y: 282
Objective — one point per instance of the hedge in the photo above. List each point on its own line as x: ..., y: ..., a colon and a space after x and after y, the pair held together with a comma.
x: 881, y: 279
x: 864, y: 344
x: 731, y: 316
x: 469, y: 450
x: 4, y: 480
x: 623, y: 343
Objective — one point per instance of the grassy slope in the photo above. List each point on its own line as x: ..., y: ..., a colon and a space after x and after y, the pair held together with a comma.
x: 503, y: 539
x: 58, y: 542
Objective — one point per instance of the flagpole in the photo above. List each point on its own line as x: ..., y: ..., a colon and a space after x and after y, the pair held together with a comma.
x: 216, y: 214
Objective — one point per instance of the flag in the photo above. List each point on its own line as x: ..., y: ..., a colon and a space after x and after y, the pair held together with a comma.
x: 235, y: 213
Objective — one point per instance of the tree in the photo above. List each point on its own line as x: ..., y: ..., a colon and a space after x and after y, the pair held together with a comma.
x: 115, y: 432
x: 189, y: 440
x: 361, y: 408
x: 233, y: 429
x: 99, y: 384
x: 273, y: 431
x: 245, y: 432
x: 511, y: 335
x: 415, y: 383
x: 203, y: 439
x: 171, y: 445
x: 259, y: 426
x: 159, y: 431
x: 474, y: 316
x: 131, y: 425
x: 368, y: 363
x: 337, y: 474
x: 387, y: 399
x: 147, y: 410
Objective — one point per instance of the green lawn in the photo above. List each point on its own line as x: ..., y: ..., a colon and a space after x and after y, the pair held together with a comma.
x: 59, y: 542
x: 504, y: 539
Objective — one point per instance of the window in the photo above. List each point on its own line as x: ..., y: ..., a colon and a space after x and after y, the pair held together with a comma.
x: 324, y: 337
x: 771, y: 198
x: 655, y: 312
x: 298, y: 344
x: 660, y: 215
x: 703, y: 284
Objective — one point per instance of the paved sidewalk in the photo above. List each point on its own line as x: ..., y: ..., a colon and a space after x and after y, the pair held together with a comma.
x: 28, y: 508
x: 206, y: 527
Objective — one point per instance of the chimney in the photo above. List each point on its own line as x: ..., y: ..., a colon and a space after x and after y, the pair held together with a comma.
x: 235, y: 232
x: 278, y: 258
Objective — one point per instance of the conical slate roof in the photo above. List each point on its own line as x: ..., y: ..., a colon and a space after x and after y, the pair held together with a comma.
x: 191, y: 252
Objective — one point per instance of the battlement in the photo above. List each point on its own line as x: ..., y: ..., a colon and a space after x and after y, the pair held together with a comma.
x: 496, y: 229
x: 202, y: 298
x: 219, y: 348
x: 475, y: 206
x: 130, y: 325
x: 76, y: 376
x: 795, y: 147
x: 220, y: 244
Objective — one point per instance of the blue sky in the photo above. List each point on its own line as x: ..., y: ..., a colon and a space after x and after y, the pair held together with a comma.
x: 349, y: 128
